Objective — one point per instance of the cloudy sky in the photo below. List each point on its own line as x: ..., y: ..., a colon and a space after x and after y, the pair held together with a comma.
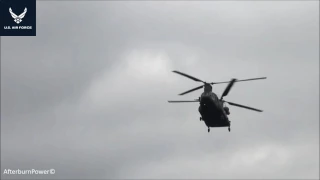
x: 88, y: 95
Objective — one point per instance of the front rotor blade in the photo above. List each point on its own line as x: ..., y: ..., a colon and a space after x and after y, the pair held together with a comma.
x: 182, y: 101
x: 226, y: 91
x: 191, y: 90
x: 188, y: 76
x: 246, y: 107
x: 239, y: 80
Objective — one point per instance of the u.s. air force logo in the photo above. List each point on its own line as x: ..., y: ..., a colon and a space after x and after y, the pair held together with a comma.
x: 19, y: 18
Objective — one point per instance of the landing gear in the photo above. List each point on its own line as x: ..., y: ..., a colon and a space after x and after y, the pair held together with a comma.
x: 229, y: 129
x: 208, y: 129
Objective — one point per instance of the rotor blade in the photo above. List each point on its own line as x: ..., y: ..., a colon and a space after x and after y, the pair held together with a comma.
x: 182, y: 101
x: 188, y: 76
x: 191, y: 90
x: 246, y: 107
x: 239, y: 80
x: 226, y: 91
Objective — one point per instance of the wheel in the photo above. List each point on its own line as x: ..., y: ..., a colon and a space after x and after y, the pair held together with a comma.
x: 229, y: 129
x: 208, y: 129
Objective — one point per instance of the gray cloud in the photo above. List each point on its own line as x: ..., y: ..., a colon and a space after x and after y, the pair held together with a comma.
x: 88, y: 95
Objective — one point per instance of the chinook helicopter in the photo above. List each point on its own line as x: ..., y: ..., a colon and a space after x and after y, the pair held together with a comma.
x: 213, y: 110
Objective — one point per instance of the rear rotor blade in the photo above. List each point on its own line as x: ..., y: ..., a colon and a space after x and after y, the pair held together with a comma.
x: 246, y: 107
x: 191, y: 90
x: 188, y: 76
x: 182, y: 101
x: 226, y: 91
x: 239, y: 80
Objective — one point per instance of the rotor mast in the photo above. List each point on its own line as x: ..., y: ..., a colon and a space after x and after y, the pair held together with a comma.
x: 207, y: 88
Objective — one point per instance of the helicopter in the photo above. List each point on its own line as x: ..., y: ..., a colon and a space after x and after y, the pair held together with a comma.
x: 213, y: 110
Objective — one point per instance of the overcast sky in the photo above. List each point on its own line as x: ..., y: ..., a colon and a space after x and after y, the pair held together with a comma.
x: 88, y: 95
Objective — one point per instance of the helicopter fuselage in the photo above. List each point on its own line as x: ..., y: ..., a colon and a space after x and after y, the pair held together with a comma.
x: 211, y: 110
